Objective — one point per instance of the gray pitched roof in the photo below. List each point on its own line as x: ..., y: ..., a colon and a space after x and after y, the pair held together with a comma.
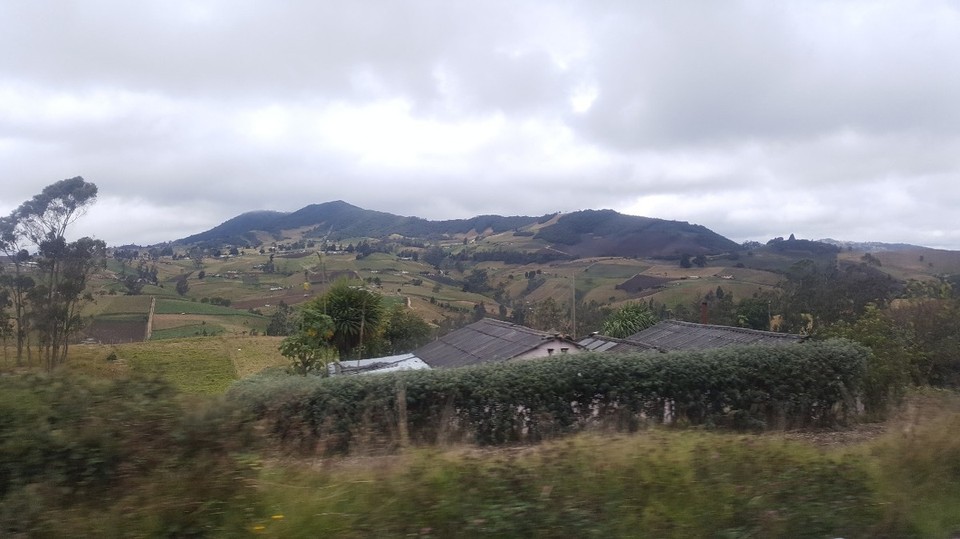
x: 677, y: 335
x: 487, y: 340
x: 602, y: 343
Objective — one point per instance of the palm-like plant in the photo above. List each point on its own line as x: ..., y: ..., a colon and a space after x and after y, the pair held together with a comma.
x: 627, y: 320
x: 357, y: 314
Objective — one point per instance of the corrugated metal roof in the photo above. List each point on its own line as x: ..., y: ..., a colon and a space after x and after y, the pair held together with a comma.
x: 602, y: 343
x: 487, y: 340
x: 401, y: 362
x: 677, y: 335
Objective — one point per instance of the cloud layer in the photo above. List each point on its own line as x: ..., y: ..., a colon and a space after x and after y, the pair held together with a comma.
x: 755, y: 119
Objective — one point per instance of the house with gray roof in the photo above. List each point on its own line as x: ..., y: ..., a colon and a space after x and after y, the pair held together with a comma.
x: 490, y: 341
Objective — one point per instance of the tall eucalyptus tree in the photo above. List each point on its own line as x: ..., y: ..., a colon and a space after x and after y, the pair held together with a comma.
x: 49, y: 304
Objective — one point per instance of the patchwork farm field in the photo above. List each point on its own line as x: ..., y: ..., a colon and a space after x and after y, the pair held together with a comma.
x: 118, y: 319
x: 114, y: 305
x: 175, y: 319
x: 115, y: 329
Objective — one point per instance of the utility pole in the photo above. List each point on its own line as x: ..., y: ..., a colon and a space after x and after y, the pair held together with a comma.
x: 573, y: 307
x: 363, y: 316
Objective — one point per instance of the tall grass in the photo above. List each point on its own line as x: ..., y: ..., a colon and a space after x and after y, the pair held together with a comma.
x: 918, y: 465
x: 658, y: 484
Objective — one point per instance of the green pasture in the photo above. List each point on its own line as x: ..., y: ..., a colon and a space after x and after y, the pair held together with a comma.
x: 383, y: 261
x: 751, y: 276
x: 114, y: 305
x: 173, y: 306
x: 122, y: 317
x: 689, y: 291
x: 188, y: 330
x: 779, y: 263
x: 236, y: 289
x: 613, y: 270
x: 195, y: 366
x: 507, y: 240
x: 913, y: 263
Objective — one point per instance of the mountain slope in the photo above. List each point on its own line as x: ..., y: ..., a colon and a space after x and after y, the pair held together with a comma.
x: 238, y: 230
x: 606, y: 232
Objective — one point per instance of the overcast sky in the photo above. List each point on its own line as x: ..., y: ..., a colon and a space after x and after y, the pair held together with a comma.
x: 755, y: 119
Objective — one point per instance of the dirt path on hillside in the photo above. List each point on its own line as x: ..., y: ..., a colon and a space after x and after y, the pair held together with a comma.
x: 149, y: 331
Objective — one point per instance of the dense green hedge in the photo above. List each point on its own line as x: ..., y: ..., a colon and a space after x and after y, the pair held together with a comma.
x: 814, y: 384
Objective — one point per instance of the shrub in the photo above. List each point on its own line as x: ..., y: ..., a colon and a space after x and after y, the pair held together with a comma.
x: 80, y: 457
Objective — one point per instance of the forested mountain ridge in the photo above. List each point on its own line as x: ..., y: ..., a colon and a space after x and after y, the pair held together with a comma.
x: 608, y: 233
x: 347, y: 220
x: 581, y: 233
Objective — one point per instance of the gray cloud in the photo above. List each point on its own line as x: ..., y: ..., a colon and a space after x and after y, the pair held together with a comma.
x: 754, y: 119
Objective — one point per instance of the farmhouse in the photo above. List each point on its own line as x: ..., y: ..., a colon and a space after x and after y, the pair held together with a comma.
x: 491, y: 341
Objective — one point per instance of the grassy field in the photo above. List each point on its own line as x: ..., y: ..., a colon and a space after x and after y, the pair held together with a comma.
x: 913, y: 263
x: 175, y: 319
x: 188, y: 330
x: 173, y: 306
x: 195, y: 365
x: 118, y: 304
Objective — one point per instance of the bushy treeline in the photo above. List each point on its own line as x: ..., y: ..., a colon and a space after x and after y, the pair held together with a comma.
x: 814, y: 384
x: 93, y: 458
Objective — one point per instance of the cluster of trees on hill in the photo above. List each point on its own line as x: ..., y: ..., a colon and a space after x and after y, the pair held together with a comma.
x: 793, y: 244
x: 144, y: 272
x: 41, y: 292
x: 811, y: 296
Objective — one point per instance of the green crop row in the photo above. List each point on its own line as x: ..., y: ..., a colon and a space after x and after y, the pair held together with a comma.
x: 176, y: 306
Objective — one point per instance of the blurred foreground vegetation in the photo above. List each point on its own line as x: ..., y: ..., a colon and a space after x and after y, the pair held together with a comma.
x: 133, y: 457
